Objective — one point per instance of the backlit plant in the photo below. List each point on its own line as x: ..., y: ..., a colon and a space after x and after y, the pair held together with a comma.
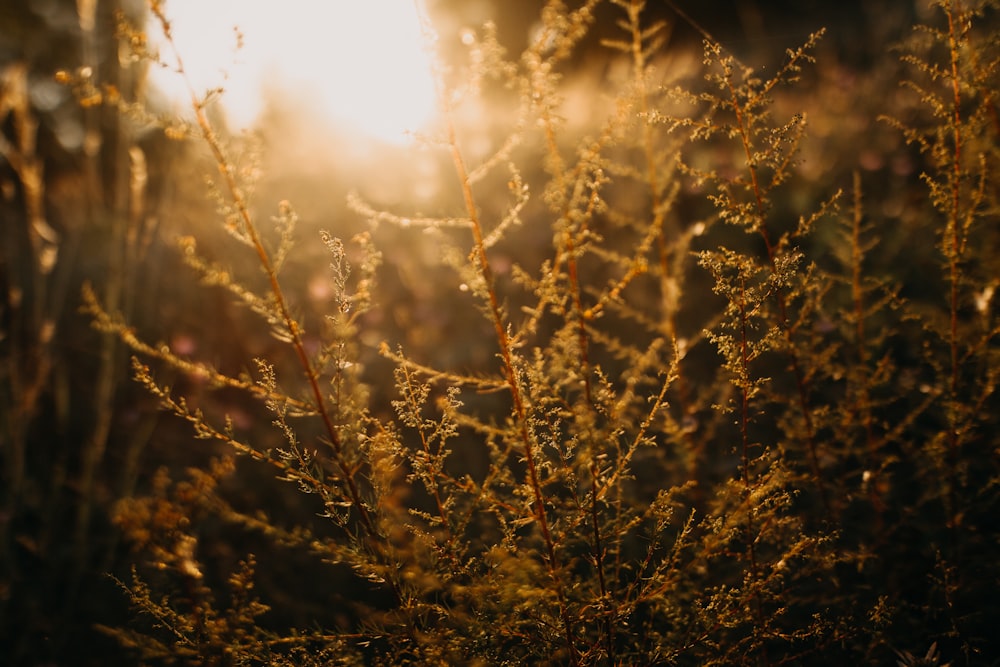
x: 699, y: 420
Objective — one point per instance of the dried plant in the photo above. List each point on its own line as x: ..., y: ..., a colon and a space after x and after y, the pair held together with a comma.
x: 698, y: 418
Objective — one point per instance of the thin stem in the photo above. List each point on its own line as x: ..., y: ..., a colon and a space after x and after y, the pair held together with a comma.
x: 863, y: 398
x: 953, y: 247
x: 599, y: 554
x: 639, y: 69
x: 557, y: 168
x: 507, y: 355
x: 668, y: 288
x: 801, y: 383
x: 211, y: 139
x: 431, y: 456
x: 745, y: 457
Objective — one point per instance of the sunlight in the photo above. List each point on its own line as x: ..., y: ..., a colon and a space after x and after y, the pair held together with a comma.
x: 363, y: 64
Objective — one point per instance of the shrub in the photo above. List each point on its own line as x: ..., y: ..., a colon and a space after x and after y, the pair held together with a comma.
x: 702, y: 424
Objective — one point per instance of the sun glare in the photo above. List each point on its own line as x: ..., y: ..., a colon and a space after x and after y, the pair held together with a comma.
x: 363, y: 62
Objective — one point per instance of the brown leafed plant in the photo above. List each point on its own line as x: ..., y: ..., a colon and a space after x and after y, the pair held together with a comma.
x: 705, y: 424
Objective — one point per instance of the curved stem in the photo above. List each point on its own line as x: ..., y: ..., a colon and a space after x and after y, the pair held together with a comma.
x: 507, y: 356
x: 294, y: 330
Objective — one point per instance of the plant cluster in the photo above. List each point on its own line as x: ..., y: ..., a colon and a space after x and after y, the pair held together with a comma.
x: 706, y: 412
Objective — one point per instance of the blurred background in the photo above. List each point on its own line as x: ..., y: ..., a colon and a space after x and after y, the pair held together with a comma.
x: 88, y: 195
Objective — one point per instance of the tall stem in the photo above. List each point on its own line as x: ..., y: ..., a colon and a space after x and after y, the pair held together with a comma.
x: 345, y: 471
x: 801, y: 384
x: 953, y: 248
x: 507, y: 356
